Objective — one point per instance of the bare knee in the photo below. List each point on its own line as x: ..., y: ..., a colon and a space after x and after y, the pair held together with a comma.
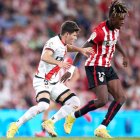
x: 102, y: 95
x: 121, y: 98
x: 101, y: 102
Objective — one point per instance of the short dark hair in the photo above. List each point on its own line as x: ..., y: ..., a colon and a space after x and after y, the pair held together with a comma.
x: 117, y: 8
x: 69, y: 26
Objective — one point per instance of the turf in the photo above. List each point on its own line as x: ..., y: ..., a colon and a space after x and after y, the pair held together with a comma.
x: 70, y: 138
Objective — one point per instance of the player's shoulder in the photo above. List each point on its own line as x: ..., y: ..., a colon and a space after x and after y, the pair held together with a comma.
x: 98, y: 32
x: 51, y: 43
x: 54, y: 39
x: 99, y: 28
x: 101, y: 25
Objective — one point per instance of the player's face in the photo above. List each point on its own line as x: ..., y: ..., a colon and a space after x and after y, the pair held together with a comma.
x: 71, y: 38
x: 118, y: 21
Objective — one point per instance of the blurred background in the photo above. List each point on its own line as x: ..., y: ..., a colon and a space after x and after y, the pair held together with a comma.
x: 25, y: 26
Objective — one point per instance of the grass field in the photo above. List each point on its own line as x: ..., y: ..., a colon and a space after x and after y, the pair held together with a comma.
x: 70, y: 138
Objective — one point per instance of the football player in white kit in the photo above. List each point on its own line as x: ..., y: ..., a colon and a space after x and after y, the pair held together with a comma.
x: 46, y: 81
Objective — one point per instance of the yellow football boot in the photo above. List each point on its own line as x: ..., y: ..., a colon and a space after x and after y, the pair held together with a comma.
x: 68, y: 124
x: 102, y: 132
x: 13, y: 128
x: 49, y: 127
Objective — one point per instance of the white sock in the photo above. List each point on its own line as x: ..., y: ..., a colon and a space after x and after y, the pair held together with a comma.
x: 32, y: 112
x: 70, y: 106
x: 62, y: 113
x: 102, y: 126
x: 72, y: 114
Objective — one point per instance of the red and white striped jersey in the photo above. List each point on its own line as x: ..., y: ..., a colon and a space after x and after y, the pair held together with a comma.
x: 50, y: 71
x: 104, y: 45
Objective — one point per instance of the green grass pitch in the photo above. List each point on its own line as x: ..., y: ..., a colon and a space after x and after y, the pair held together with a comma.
x: 70, y: 138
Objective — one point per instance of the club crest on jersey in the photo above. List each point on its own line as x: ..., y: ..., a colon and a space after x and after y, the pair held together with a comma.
x: 92, y: 36
x: 50, y: 44
x: 101, y: 76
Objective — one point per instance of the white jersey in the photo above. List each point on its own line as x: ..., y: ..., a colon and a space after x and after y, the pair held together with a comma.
x: 50, y: 71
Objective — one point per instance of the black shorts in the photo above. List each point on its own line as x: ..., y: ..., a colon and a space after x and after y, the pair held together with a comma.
x: 99, y: 75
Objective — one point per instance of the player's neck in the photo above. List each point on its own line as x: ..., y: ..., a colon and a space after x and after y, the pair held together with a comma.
x: 62, y: 38
x: 109, y: 25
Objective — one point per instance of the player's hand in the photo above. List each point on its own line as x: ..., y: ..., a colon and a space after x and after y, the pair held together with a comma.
x: 63, y: 64
x: 87, y: 51
x: 65, y: 77
x: 125, y: 61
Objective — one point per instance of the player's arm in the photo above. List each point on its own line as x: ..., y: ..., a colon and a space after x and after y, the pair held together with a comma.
x: 78, y: 56
x: 121, y: 50
x: 71, y: 48
x: 69, y: 73
x: 93, y: 39
x: 89, y: 43
x: 85, y: 51
x: 47, y: 57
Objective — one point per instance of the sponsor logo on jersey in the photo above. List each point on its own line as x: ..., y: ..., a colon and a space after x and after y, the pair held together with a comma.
x: 110, y: 42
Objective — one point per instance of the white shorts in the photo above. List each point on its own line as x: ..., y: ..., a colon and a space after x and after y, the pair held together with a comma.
x: 55, y: 90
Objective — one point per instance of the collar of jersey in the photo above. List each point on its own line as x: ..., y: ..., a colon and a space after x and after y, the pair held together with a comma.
x: 61, y: 40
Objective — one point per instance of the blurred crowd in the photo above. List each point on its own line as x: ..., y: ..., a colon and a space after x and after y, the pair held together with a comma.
x: 25, y: 26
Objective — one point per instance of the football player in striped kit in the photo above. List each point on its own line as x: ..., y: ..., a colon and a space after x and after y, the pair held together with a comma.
x: 102, y: 78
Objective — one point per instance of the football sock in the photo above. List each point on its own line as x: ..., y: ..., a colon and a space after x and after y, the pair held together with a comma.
x: 112, y: 111
x: 102, y: 126
x: 62, y: 113
x: 70, y: 106
x: 85, y: 109
x: 33, y: 111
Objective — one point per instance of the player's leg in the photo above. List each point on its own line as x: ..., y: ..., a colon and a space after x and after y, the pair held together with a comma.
x: 90, y: 106
x: 97, y: 82
x: 42, y: 133
x: 102, y: 98
x: 115, y: 88
x: 99, y: 87
x: 70, y: 103
x: 43, y: 99
x: 42, y: 105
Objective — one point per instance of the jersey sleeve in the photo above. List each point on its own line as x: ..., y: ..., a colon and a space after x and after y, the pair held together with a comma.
x: 94, y: 37
x: 50, y: 45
